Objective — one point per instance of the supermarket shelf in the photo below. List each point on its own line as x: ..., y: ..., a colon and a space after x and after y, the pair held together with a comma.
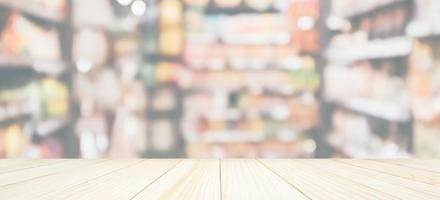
x: 50, y: 126
x: 361, y: 153
x: 34, y: 10
x: 376, y: 49
x: 241, y: 9
x: 216, y: 179
x: 240, y: 137
x: 5, y: 121
x: 232, y: 137
x: 14, y: 113
x: 40, y: 66
x: 364, y: 10
x: 383, y: 110
x: 427, y: 34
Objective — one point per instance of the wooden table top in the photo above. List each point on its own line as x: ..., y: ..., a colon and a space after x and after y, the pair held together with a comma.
x: 219, y: 179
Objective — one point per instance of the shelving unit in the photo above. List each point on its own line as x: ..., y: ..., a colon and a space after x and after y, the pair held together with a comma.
x: 52, y: 68
x: 307, y: 79
x: 376, y: 49
x: 371, y: 8
x: 34, y: 9
x: 243, y: 8
x: 267, y: 106
x: 383, y: 110
x: 422, y: 81
x: 375, y: 55
x: 47, y: 127
x: 44, y: 129
x: 164, y: 109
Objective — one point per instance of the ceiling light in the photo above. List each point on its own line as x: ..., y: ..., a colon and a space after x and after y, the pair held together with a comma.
x: 138, y: 7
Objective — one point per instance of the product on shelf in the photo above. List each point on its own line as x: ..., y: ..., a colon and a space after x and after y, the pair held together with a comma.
x: 164, y: 100
x: 304, y: 14
x: 85, y: 13
x: 41, y: 99
x: 90, y: 49
x: 95, y: 88
x: 391, y: 23
x: 56, y: 97
x: 349, y: 8
x: 266, y: 106
x: 196, y: 2
x: 245, y: 116
x: 424, y: 86
x: 424, y: 79
x: 92, y: 133
x: 23, y: 39
x: 194, y: 19
x: 426, y: 140
x: 259, y: 4
x: 227, y: 3
x: 424, y: 22
x: 129, y: 138
x: 14, y: 140
x: 303, y: 148
x: 167, y: 72
x: 134, y: 98
x: 374, y: 35
x: 367, y: 78
x: 170, y: 13
x: 14, y: 104
x: 356, y: 136
x: 171, y: 42
x: 171, y: 33
x: 163, y: 137
x: 54, y: 10
x: 377, y: 89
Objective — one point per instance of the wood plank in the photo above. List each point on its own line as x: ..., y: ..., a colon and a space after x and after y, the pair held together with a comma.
x: 249, y: 179
x: 319, y: 184
x: 385, y: 183
x: 413, y: 174
x: 122, y: 184
x: 427, y: 165
x: 7, y: 166
x: 191, y: 179
x: 228, y: 179
x: 36, y: 188
x: 41, y: 171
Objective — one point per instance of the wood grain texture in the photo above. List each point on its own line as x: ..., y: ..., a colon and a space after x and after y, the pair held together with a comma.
x: 15, y: 165
x: 216, y: 179
x: 190, y: 179
x: 249, y: 179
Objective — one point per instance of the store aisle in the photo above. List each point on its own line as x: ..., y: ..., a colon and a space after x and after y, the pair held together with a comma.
x: 219, y: 79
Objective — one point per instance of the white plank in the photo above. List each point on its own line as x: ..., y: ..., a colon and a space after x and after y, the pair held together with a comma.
x: 249, y: 179
x: 121, y: 184
x: 413, y: 174
x: 35, y: 188
x: 392, y: 185
x: 319, y: 184
x: 191, y: 179
x: 41, y: 171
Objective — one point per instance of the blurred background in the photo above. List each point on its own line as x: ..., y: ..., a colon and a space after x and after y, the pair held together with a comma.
x: 219, y: 78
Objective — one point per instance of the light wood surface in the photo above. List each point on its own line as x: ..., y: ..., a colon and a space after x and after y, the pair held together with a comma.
x: 214, y: 179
